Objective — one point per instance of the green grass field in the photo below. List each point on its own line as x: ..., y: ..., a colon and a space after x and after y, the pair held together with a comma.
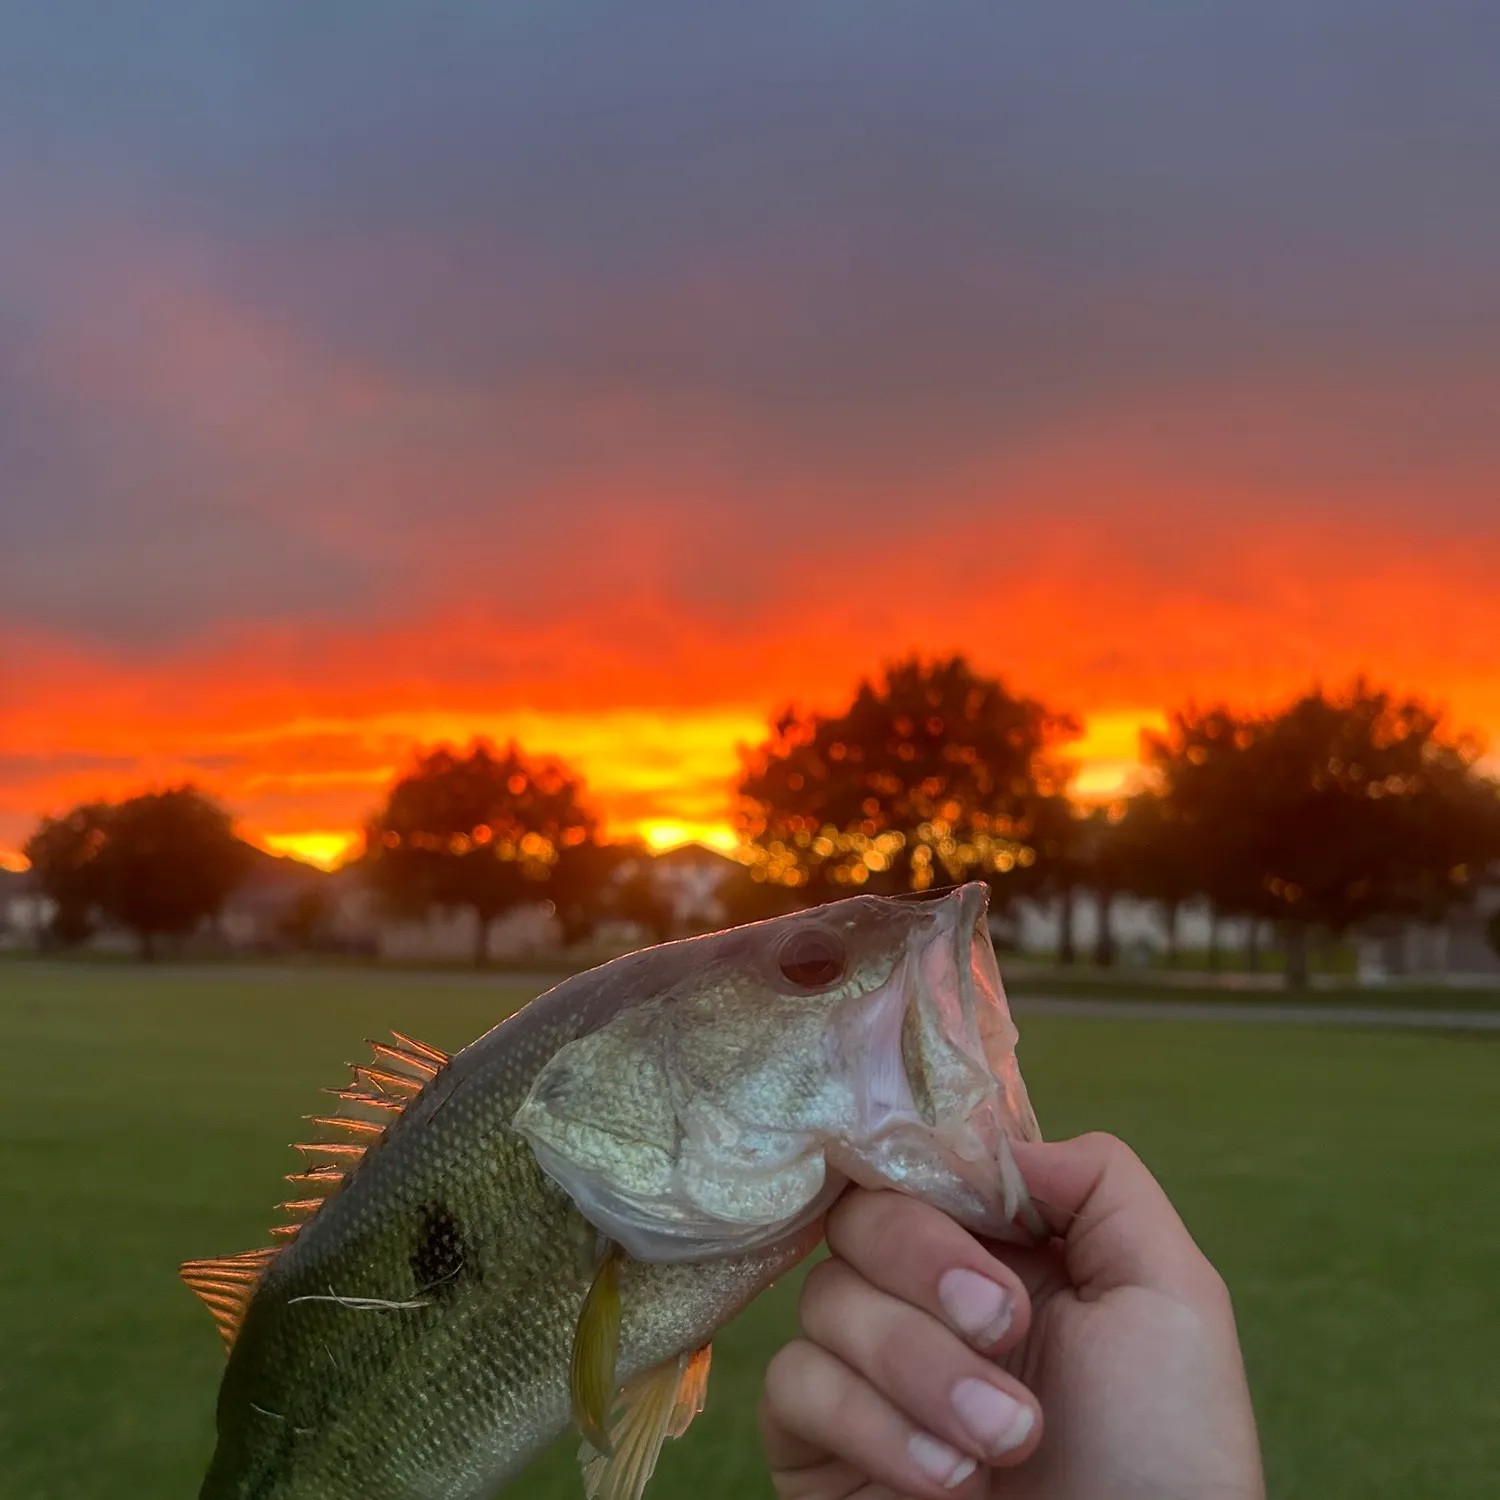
x: 1343, y: 1181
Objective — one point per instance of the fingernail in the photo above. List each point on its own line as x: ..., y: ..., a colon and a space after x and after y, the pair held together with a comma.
x: 995, y: 1421
x: 980, y: 1308
x: 938, y: 1461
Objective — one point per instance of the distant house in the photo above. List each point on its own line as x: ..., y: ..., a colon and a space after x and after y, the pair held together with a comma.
x: 1139, y: 927
x: 279, y: 905
x: 446, y: 935
x: 1456, y: 950
x: 690, y: 879
x: 23, y: 914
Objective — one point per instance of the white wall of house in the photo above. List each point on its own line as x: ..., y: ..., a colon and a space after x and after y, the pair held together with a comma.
x: 1458, y: 950
x: 1138, y: 926
x: 26, y: 918
x: 447, y: 934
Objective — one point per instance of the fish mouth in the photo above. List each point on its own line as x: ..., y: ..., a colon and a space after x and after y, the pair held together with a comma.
x: 941, y: 1095
x: 984, y: 1004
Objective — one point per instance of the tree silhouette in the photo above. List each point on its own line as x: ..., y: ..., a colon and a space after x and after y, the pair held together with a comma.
x: 635, y: 897
x: 159, y: 864
x: 582, y: 883
x: 1334, y: 811
x: 485, y: 831
x: 930, y: 776
x: 1072, y: 858
x: 1151, y: 857
x: 65, y: 867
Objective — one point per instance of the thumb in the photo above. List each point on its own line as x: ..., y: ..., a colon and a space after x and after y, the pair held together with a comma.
x: 1118, y: 1228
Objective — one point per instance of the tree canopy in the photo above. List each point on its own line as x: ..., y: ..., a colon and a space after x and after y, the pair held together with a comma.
x: 485, y: 830
x: 64, y: 856
x: 1339, y: 808
x: 159, y: 864
x: 933, y: 774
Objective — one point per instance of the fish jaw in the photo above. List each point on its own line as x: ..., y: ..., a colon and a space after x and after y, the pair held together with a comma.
x: 716, y: 1114
x: 937, y: 1087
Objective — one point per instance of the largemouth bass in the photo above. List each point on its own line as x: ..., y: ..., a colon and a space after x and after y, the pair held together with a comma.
x: 551, y: 1226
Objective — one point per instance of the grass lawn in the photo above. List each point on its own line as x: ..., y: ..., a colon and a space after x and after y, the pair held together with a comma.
x: 1344, y: 1182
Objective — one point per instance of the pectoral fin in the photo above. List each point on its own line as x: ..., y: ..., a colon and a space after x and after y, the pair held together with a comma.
x: 656, y: 1405
x: 596, y: 1346
x: 692, y: 1391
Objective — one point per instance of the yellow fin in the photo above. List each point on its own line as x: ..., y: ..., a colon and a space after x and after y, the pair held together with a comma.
x: 367, y: 1108
x: 596, y: 1346
x: 656, y: 1405
x: 226, y: 1286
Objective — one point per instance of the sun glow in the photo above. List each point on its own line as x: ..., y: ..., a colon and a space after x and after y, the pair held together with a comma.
x: 323, y: 847
x: 661, y: 836
x: 1107, y: 755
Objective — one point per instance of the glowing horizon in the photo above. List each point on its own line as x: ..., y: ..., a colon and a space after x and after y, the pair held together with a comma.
x: 621, y: 757
x: 688, y: 794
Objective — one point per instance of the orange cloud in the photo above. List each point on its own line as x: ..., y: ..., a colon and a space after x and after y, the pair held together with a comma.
x: 300, y: 729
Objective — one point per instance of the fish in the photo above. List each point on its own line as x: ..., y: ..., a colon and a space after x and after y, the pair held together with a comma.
x: 549, y: 1227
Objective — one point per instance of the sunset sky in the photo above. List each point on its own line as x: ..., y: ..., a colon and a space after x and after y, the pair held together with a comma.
x: 375, y: 374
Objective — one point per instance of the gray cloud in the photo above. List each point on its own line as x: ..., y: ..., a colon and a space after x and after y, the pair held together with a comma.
x: 322, y: 313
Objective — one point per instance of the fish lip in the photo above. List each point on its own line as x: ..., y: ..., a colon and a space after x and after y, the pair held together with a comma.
x: 1008, y: 1107
x: 972, y: 902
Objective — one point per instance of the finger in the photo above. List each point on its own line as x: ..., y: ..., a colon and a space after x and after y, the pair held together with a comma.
x: 919, y: 1364
x: 920, y: 1255
x: 831, y: 1481
x: 1118, y: 1228
x: 815, y: 1409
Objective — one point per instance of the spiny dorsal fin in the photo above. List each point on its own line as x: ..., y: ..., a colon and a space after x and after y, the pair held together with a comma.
x: 656, y: 1405
x: 226, y: 1286
x: 227, y: 1283
x: 367, y: 1107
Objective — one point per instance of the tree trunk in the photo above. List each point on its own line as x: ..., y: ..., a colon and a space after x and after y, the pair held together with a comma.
x: 1104, y: 943
x: 482, y: 922
x: 1171, y: 912
x: 1252, y: 946
x: 148, y: 947
x: 1213, y: 939
x: 1296, y: 955
x: 1065, y: 950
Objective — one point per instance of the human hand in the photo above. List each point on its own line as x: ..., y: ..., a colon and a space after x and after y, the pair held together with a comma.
x: 929, y: 1360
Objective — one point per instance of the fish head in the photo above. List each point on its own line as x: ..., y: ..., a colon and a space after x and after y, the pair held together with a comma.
x: 747, y: 1077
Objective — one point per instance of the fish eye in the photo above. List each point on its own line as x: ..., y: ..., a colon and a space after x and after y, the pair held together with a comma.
x: 813, y: 958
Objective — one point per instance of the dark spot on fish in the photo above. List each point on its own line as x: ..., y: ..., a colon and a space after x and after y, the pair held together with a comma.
x: 439, y: 1255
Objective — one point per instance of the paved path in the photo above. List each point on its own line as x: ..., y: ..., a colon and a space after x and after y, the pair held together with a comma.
x: 1267, y: 1012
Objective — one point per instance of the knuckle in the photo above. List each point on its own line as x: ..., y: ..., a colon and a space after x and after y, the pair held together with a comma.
x: 846, y: 1414
x: 815, y: 1290
x: 899, y: 1240
x: 1212, y: 1291
x: 1109, y: 1148
x: 860, y: 1217
x: 888, y: 1358
x: 828, y: 1301
x: 786, y: 1379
